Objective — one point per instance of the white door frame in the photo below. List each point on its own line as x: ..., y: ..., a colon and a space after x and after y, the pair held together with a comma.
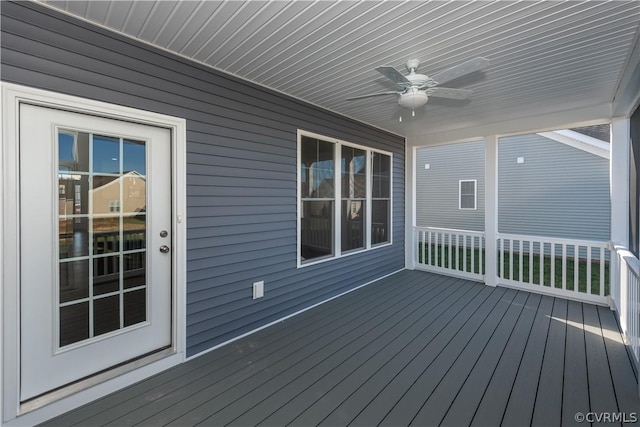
x: 11, y: 410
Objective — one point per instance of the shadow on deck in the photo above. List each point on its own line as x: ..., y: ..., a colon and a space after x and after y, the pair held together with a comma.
x: 414, y: 348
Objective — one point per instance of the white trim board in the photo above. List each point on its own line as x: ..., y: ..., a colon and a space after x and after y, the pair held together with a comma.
x: 12, y: 95
x: 579, y: 141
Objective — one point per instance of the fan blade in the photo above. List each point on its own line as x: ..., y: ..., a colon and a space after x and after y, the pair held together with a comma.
x: 371, y: 95
x: 463, y: 69
x: 393, y: 75
x: 447, y: 92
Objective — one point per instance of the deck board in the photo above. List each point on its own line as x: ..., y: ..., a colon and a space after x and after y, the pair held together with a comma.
x: 411, y: 348
x: 548, y: 404
x: 601, y: 394
x: 575, y: 396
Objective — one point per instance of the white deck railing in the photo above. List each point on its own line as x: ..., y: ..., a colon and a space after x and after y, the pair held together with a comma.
x: 577, y: 269
x: 628, y: 275
x: 448, y: 251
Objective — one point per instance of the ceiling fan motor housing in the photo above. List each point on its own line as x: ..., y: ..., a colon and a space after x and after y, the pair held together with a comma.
x: 413, y: 98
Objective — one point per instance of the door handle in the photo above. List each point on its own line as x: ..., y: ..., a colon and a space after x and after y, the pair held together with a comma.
x: 164, y: 249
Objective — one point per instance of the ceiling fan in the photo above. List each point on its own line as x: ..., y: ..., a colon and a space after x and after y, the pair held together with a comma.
x: 415, y: 89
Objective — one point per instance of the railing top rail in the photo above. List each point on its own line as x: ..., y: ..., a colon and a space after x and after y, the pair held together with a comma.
x: 451, y: 230
x: 629, y: 257
x: 596, y: 243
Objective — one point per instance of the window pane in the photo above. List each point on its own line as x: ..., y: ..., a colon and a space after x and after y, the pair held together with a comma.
x: 381, y: 165
x: 380, y: 221
x: 353, y: 214
x: 317, y: 168
x: 354, y: 173
x: 316, y: 229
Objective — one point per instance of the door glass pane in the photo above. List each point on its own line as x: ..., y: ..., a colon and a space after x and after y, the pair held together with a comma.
x: 73, y: 151
x: 106, y: 274
x: 106, y: 154
x: 73, y: 194
x: 74, y: 323
x: 135, y: 273
x: 134, y: 157
x: 73, y: 237
x: 135, y: 307
x: 106, y: 315
x: 106, y: 235
x: 134, y: 193
x: 102, y: 234
x: 73, y: 280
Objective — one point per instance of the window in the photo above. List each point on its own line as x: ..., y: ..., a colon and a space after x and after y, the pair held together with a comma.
x: 468, y: 194
x: 344, y: 198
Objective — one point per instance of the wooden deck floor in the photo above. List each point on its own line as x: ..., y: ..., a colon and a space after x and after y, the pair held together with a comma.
x: 413, y: 349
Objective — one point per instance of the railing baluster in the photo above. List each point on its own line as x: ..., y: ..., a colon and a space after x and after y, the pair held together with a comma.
x: 442, y: 249
x: 602, y: 278
x: 576, y: 269
x: 464, y: 253
x: 429, y: 233
x: 481, y: 246
x: 457, y: 251
x: 552, y: 274
x: 589, y: 269
x: 450, y: 264
x: 511, y: 259
x: 520, y: 269
x: 531, y: 262
x: 473, y: 254
x: 541, y: 263
x: 564, y: 267
x: 501, y: 259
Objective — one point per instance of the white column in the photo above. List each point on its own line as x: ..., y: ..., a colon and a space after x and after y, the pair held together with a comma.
x: 410, y: 206
x: 619, y: 190
x: 491, y: 210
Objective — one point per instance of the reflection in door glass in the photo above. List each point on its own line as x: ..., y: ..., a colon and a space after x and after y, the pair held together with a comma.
x: 102, y: 234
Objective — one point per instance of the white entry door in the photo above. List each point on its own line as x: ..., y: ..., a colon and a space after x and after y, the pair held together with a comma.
x: 95, y: 245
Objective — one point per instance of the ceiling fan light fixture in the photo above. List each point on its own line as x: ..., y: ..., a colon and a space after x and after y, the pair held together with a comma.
x: 413, y: 99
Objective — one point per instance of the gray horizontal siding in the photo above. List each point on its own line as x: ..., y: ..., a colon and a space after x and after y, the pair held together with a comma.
x: 437, y: 188
x: 559, y: 191
x: 241, y: 166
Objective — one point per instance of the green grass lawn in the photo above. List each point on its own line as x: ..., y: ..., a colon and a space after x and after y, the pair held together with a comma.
x: 443, y: 259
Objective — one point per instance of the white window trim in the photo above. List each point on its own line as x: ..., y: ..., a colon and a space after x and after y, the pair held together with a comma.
x: 11, y: 412
x: 475, y: 194
x: 337, y: 252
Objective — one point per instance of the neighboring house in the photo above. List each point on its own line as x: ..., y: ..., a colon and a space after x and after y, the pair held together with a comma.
x: 553, y: 184
x: 440, y: 172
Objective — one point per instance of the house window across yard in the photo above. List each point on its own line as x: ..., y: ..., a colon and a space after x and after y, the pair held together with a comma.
x: 344, y: 195
x: 468, y: 194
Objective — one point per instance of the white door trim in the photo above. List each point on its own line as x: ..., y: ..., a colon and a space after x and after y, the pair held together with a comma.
x: 11, y: 411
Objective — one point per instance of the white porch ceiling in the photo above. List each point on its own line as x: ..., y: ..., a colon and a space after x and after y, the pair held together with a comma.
x: 547, y: 57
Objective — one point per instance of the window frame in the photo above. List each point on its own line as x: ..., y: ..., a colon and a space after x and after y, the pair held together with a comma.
x: 475, y: 194
x: 337, y: 200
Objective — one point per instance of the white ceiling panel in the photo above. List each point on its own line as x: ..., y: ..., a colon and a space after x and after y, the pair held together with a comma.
x: 545, y: 56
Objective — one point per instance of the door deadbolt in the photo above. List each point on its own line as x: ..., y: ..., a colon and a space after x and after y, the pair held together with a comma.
x: 164, y: 233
